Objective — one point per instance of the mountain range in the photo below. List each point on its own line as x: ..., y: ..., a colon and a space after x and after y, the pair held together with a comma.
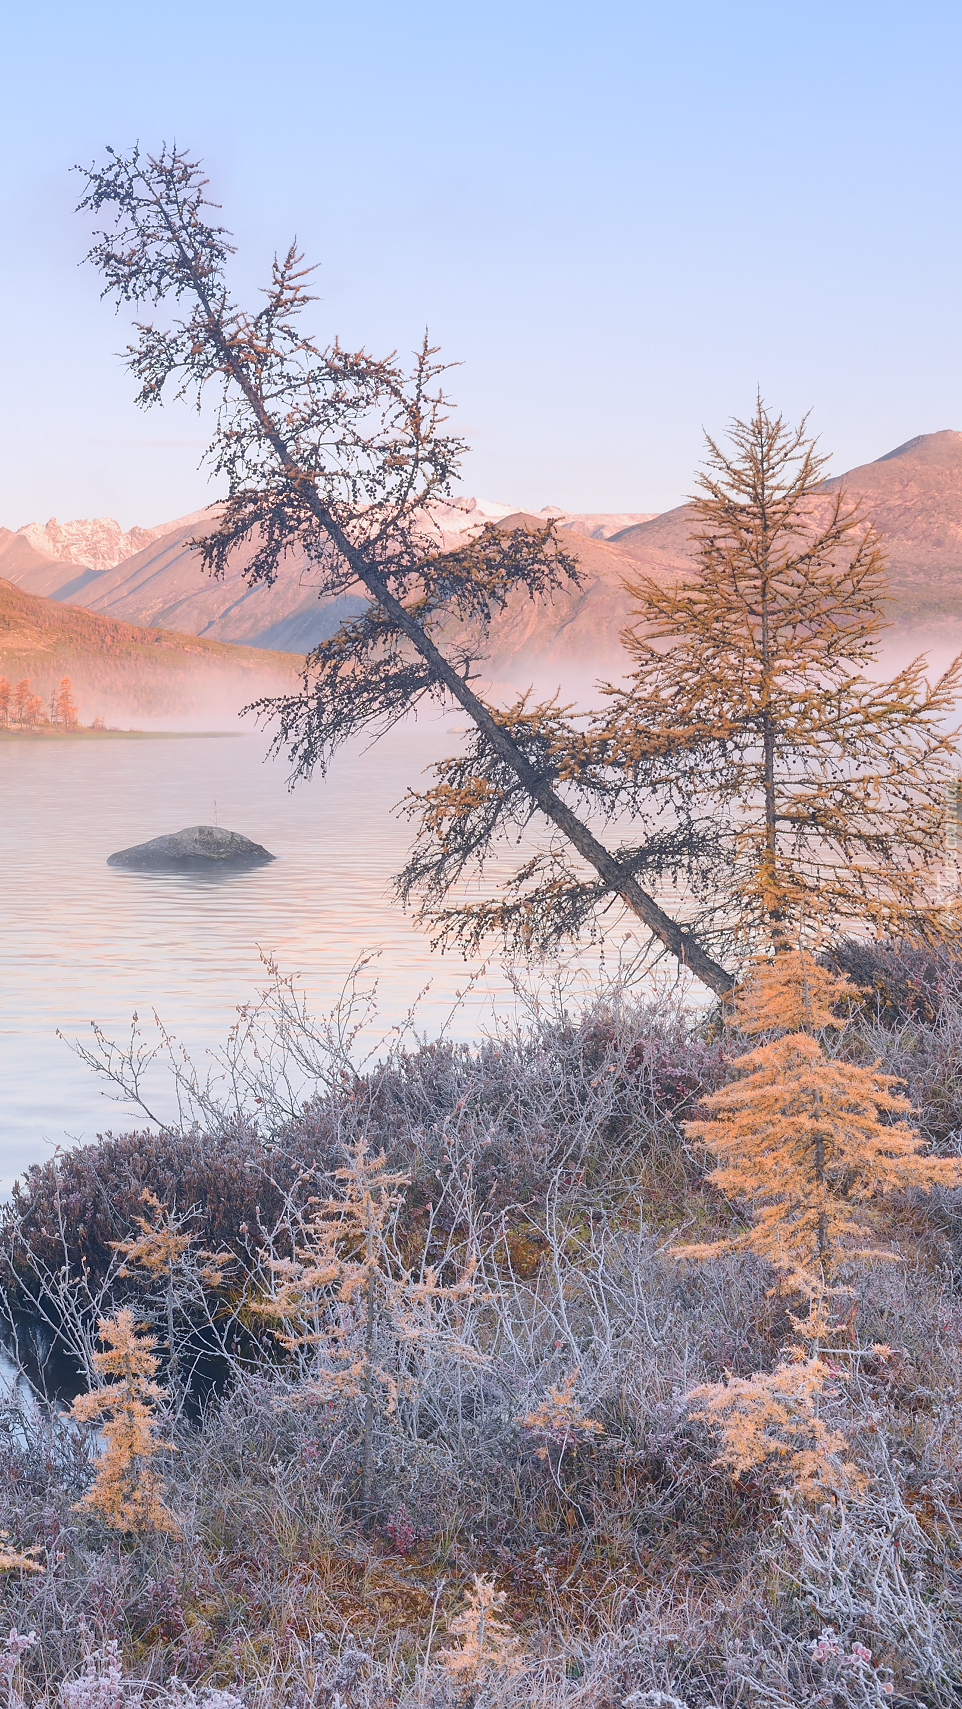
x: 152, y: 577
x: 158, y: 581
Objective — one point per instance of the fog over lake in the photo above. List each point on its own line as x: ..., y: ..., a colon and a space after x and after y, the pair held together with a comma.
x: 82, y: 941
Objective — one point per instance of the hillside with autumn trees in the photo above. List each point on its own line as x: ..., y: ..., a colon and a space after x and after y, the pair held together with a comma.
x: 124, y: 672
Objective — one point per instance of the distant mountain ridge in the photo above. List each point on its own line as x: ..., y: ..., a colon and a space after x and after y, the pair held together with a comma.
x: 96, y: 542
x: 913, y: 494
x: 161, y: 584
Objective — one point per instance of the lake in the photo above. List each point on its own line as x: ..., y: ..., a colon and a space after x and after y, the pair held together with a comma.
x: 85, y: 942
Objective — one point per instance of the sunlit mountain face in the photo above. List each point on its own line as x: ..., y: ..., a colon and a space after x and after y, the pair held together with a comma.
x: 152, y: 576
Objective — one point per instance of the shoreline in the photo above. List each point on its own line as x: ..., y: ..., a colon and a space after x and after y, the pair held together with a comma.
x: 112, y: 735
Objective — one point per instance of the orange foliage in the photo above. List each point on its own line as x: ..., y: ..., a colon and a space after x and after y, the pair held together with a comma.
x: 486, y: 1641
x: 560, y: 1418
x: 158, y: 1246
x: 27, y: 706
x: 773, y: 1416
x: 810, y: 1141
x: 347, y: 1283
x: 64, y: 707
x: 126, y: 1491
x: 15, y: 1560
x: 162, y: 1255
x: 349, y: 1260
x: 763, y: 716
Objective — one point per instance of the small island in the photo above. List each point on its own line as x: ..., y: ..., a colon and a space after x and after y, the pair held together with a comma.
x: 198, y: 846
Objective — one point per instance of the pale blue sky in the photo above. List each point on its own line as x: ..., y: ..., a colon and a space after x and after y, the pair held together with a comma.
x: 619, y: 217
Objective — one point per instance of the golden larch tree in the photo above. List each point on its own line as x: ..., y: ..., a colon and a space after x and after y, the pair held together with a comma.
x: 772, y: 1418
x: 126, y: 1492
x: 755, y: 712
x: 65, y: 708
x: 808, y: 1141
x: 164, y: 1257
x: 559, y: 1420
x: 487, y: 1642
x: 23, y: 695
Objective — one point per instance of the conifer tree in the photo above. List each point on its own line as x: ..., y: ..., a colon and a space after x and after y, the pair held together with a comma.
x: 126, y: 1492
x: 773, y: 1418
x: 5, y: 698
x: 750, y: 758
x: 487, y: 1641
x: 809, y: 1142
x: 22, y: 697
x: 65, y: 705
x: 559, y: 1420
x: 163, y: 1255
x: 754, y: 704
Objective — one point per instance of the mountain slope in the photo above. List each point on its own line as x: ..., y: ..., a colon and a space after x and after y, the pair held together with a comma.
x: 122, y: 671
x: 163, y: 585
x: 914, y: 494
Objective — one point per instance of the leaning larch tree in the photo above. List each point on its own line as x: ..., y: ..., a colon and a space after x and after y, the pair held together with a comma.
x: 338, y: 454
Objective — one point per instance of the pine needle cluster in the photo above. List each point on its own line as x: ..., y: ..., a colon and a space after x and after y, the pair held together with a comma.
x: 774, y: 1417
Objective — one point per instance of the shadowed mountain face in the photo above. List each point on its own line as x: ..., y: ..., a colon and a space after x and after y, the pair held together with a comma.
x: 913, y: 494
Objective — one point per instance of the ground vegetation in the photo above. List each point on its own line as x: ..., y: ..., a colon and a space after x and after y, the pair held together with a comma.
x: 597, y: 1475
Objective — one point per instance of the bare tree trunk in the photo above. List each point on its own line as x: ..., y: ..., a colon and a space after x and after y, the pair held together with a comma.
x: 681, y: 944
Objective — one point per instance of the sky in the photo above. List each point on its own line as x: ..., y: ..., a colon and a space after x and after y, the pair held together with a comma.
x: 620, y: 219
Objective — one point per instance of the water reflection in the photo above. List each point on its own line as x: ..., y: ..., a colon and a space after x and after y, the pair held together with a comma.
x: 86, y: 942
x: 200, y: 875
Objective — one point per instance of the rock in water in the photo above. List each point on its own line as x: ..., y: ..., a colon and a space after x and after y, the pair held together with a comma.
x: 198, y: 846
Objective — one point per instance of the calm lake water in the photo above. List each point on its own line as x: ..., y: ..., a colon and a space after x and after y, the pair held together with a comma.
x: 82, y: 941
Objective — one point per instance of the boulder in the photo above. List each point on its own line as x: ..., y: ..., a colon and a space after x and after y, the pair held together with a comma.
x: 198, y: 846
